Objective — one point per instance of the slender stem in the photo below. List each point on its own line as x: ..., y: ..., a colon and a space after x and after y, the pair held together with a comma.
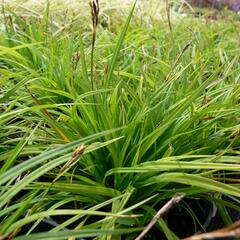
x: 170, y: 204
x: 169, y: 19
x: 94, y: 11
x: 232, y: 231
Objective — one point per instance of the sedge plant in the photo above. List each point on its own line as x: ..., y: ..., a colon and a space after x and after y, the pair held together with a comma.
x: 153, y: 117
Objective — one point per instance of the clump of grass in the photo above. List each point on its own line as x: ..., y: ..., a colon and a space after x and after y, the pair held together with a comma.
x: 161, y: 118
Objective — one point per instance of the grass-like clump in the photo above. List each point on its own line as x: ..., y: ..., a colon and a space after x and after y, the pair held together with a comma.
x: 104, y: 119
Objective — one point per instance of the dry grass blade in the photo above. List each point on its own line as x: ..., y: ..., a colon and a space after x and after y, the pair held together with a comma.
x: 38, y: 103
x: 232, y: 231
x: 9, y: 236
x: 164, y: 210
x: 48, y: 115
